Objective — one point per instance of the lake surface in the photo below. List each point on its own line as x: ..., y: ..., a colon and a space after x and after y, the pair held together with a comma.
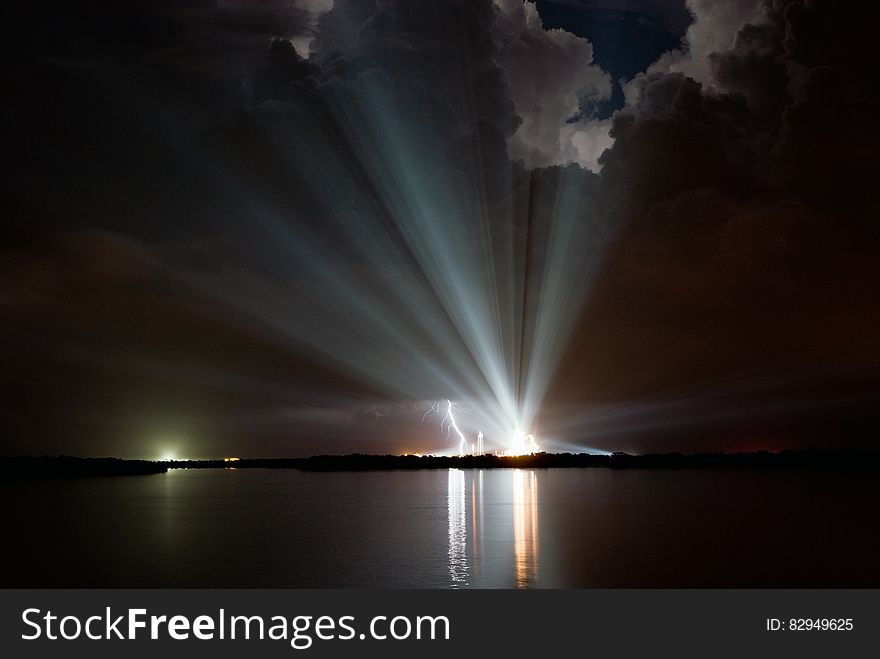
x: 557, y: 528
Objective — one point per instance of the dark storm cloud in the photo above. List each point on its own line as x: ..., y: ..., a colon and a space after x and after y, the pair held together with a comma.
x: 200, y: 49
x: 105, y: 347
x: 434, y: 61
x: 749, y: 233
x: 110, y: 105
x: 150, y: 139
x: 787, y: 119
x: 753, y: 69
x: 426, y: 43
x: 166, y: 124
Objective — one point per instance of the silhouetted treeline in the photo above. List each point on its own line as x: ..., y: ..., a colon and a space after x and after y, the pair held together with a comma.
x: 65, y: 466
x: 810, y: 459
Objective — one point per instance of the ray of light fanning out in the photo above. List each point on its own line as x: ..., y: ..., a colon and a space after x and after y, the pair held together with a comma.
x: 427, y: 274
x: 735, y: 402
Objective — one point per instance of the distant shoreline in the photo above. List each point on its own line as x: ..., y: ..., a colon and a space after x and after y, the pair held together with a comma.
x: 65, y: 466
x: 49, y: 467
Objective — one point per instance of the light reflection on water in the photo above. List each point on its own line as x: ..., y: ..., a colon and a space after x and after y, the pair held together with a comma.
x: 525, y: 527
x: 595, y: 528
x: 514, y: 523
x: 458, y: 563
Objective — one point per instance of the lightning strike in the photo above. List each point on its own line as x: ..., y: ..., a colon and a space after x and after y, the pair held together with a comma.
x: 435, y: 408
x: 450, y: 418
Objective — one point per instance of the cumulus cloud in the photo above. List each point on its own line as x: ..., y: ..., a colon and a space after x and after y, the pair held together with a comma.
x: 302, y: 39
x: 551, y: 75
x: 747, y: 222
x: 714, y: 29
x: 736, y: 185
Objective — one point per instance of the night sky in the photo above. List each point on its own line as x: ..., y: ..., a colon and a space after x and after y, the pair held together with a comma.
x: 286, y: 228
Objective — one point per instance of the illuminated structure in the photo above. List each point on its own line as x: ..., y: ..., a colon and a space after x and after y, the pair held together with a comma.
x: 521, y: 444
x: 480, y: 443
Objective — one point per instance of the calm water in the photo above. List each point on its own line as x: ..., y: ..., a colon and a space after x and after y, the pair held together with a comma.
x: 441, y: 529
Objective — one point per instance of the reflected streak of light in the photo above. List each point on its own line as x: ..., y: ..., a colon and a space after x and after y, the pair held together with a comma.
x: 482, y: 516
x: 474, y: 515
x: 525, y: 527
x: 456, y: 503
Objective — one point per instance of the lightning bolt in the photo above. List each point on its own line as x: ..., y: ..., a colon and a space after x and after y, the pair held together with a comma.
x: 450, y: 418
x: 435, y: 408
x: 448, y: 423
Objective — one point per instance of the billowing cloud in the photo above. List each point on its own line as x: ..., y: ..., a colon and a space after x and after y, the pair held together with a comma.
x: 552, y: 77
x: 714, y: 29
x: 747, y: 223
x: 265, y: 217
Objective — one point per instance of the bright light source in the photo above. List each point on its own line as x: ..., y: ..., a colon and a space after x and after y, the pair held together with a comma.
x: 522, y: 444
